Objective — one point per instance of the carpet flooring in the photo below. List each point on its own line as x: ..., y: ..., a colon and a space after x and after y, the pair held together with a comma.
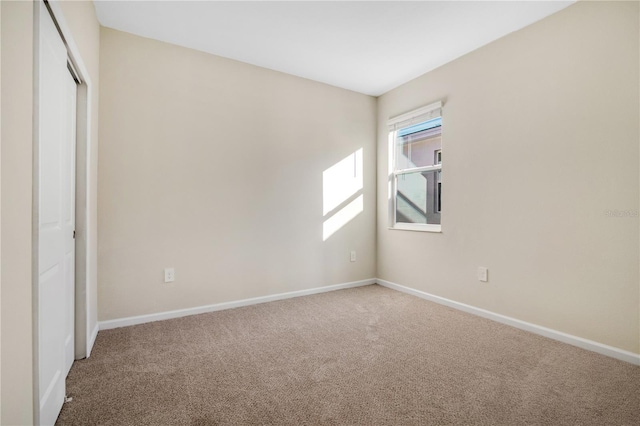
x: 362, y: 356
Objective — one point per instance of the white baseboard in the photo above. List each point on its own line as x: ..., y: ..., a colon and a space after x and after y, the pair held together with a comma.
x: 141, y: 319
x: 92, y: 339
x: 589, y: 345
x: 580, y: 342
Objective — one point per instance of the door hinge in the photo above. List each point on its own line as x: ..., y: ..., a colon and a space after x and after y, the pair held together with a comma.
x: 74, y: 234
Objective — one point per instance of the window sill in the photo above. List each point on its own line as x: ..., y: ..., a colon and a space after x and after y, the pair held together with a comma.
x: 416, y: 227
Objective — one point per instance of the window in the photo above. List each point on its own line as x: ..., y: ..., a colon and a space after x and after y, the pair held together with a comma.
x: 415, y: 141
x: 438, y: 160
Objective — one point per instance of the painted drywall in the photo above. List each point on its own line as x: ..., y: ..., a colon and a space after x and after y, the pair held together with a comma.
x: 16, y: 154
x: 215, y: 168
x: 540, y: 177
x: 16, y: 157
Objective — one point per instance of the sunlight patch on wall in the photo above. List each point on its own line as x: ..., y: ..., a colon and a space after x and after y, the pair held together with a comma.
x: 344, y: 216
x: 340, y: 183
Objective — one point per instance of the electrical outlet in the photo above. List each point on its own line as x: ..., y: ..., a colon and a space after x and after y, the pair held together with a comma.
x: 353, y: 255
x: 483, y: 274
x: 169, y: 275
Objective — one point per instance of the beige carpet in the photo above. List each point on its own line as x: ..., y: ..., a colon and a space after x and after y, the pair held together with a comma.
x: 363, y: 356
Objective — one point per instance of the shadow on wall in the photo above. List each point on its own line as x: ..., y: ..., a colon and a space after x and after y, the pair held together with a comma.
x: 342, y: 197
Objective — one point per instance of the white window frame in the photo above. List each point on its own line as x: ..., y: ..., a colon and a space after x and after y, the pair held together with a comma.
x: 419, y: 115
x: 438, y: 160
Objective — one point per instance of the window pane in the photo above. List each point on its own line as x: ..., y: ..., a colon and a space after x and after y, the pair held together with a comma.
x: 418, y: 149
x: 418, y: 197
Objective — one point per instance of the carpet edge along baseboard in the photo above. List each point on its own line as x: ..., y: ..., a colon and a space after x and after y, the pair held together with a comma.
x: 580, y: 342
x: 560, y: 336
x: 142, y: 319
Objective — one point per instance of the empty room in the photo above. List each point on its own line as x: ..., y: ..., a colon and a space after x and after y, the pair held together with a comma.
x: 319, y: 212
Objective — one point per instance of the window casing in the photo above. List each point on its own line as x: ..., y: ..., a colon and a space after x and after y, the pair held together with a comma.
x: 415, y: 178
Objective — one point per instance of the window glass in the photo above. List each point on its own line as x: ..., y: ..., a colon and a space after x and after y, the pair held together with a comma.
x: 417, y: 172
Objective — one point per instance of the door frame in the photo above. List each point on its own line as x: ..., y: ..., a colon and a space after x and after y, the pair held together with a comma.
x: 84, y: 335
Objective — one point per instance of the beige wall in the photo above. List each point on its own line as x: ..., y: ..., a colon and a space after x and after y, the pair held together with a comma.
x: 527, y: 179
x: 16, y: 192
x: 16, y: 157
x: 215, y: 168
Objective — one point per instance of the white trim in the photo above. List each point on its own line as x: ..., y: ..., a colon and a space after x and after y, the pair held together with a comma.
x: 589, y: 345
x: 92, y: 339
x: 76, y: 59
x: 433, y: 168
x: 422, y: 227
x: 124, y: 322
x: 580, y: 342
x: 416, y: 112
x: 69, y: 40
x: 435, y: 110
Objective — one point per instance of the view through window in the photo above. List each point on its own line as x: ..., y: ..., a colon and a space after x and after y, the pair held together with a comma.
x: 417, y: 172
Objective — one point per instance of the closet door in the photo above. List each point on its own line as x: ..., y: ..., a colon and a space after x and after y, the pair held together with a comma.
x: 56, y: 207
x: 69, y: 220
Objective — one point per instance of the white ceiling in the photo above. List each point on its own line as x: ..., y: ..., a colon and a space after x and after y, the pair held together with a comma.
x: 365, y: 46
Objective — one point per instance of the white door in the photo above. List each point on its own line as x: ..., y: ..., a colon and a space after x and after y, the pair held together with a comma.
x: 56, y: 218
x: 69, y: 221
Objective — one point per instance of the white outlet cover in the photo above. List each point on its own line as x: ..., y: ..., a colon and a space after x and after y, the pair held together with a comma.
x: 353, y: 255
x: 483, y: 274
x: 169, y: 275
